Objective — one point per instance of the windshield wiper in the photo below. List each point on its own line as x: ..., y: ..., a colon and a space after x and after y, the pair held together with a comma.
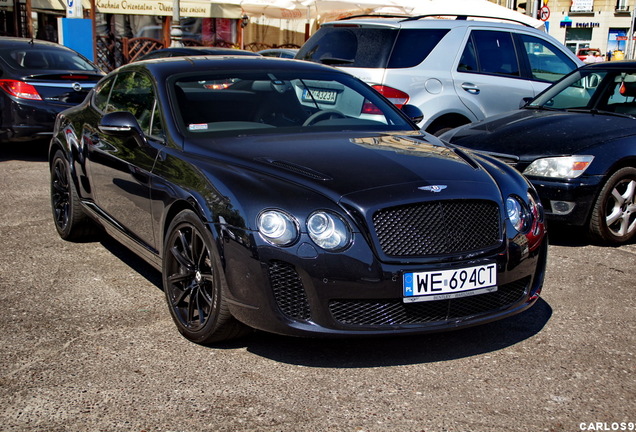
x: 596, y: 111
x: 540, y: 108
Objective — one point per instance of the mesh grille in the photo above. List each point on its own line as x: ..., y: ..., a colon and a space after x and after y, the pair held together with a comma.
x: 439, y: 227
x: 288, y: 290
x: 395, y: 312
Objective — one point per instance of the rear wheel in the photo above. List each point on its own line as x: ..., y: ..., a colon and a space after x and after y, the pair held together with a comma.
x: 194, y: 283
x: 614, y: 214
x: 70, y: 220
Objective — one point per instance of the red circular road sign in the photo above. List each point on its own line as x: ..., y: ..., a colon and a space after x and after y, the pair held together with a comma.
x: 544, y: 13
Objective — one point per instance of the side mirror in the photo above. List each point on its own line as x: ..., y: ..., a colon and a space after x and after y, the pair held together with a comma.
x: 120, y: 123
x: 414, y: 113
x: 525, y: 101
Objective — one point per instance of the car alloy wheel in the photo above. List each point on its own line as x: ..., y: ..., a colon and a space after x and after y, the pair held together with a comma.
x: 70, y: 221
x: 614, y: 214
x: 194, y: 284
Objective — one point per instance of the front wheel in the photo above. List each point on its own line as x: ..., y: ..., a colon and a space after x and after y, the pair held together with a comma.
x: 614, y: 214
x: 194, y: 284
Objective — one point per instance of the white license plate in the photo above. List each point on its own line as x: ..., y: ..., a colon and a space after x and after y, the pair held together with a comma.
x: 325, y: 96
x: 446, y: 284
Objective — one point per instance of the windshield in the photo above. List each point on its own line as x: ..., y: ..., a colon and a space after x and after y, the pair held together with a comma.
x: 280, y: 101
x: 592, y: 89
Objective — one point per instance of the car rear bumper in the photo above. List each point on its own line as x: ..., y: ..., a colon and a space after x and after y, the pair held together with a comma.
x: 27, y: 120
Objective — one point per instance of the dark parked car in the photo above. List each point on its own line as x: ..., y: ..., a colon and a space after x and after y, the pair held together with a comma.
x: 38, y: 80
x: 576, y: 143
x: 194, y: 51
x: 279, y: 52
x: 290, y: 197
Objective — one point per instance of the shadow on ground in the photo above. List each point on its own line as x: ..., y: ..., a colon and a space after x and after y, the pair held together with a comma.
x: 32, y: 151
x: 372, y: 351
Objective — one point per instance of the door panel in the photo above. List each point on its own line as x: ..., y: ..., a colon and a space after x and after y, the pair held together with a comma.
x: 121, y: 165
x: 488, y: 78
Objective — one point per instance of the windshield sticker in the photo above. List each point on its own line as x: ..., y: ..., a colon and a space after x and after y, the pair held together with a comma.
x: 198, y: 126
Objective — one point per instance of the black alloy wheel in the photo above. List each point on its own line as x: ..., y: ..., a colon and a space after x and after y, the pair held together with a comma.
x: 70, y: 221
x: 614, y: 214
x: 194, y: 284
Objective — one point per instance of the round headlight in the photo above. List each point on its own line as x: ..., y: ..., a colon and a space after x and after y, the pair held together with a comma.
x: 516, y: 214
x: 277, y: 227
x: 328, y: 230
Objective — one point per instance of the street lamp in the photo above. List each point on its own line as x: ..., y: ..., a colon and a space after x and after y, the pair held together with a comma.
x: 176, y: 34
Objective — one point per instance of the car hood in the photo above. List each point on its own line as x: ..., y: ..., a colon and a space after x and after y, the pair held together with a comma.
x: 530, y: 133
x: 382, y: 167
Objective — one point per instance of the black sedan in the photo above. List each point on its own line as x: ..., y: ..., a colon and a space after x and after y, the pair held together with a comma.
x: 290, y: 197
x: 576, y: 142
x: 37, y: 81
x: 194, y: 51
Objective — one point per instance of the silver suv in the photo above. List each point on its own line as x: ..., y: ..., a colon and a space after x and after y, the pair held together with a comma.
x: 455, y: 70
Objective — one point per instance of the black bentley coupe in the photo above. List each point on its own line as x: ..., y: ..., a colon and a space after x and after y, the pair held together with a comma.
x: 291, y: 197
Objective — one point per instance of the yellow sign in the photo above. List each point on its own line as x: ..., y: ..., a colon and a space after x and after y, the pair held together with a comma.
x: 164, y: 8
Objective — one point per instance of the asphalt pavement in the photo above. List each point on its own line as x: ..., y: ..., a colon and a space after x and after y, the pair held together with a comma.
x: 87, y: 344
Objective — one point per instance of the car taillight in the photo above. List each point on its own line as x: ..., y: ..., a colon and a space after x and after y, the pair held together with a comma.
x: 369, y: 108
x: 20, y: 89
x: 397, y: 97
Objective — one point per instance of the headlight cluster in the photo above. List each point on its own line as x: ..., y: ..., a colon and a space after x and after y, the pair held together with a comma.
x: 328, y: 230
x: 559, y: 167
x: 525, y: 216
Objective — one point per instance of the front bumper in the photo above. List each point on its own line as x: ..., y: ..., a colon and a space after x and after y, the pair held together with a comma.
x: 336, y: 295
x: 579, y: 194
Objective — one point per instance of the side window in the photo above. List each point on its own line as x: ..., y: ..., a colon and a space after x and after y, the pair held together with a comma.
x: 547, y: 63
x: 413, y: 46
x: 133, y: 92
x: 102, y: 93
x: 490, y: 52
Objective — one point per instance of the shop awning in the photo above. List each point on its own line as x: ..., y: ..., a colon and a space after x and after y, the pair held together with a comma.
x: 188, y: 8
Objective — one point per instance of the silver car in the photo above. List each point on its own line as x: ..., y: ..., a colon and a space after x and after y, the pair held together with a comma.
x: 455, y: 70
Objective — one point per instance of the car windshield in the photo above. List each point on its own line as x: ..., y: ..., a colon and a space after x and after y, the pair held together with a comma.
x: 610, y: 90
x: 45, y: 59
x: 280, y: 101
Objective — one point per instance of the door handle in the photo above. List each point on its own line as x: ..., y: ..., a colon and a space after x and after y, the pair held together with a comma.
x: 470, y: 88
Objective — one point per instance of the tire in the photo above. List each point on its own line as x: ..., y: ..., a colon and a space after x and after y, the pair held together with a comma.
x: 613, y: 219
x: 71, y: 222
x: 194, y: 283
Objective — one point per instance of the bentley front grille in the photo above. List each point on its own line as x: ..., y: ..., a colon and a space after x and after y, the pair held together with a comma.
x: 438, y: 228
x: 394, y: 312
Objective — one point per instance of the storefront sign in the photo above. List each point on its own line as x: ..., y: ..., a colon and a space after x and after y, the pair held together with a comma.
x: 164, y: 8
x: 571, y: 24
x: 582, y: 5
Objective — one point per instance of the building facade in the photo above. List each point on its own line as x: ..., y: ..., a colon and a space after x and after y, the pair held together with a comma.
x: 602, y: 24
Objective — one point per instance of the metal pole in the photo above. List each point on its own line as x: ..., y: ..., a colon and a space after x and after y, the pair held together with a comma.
x: 629, y: 49
x: 176, y: 35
